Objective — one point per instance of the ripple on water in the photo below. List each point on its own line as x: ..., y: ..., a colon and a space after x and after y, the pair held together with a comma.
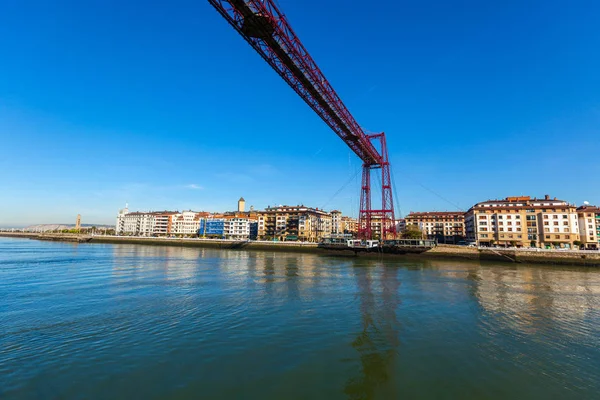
x: 141, y: 321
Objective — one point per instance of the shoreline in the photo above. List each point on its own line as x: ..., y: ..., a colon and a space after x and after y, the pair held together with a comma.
x: 578, y: 258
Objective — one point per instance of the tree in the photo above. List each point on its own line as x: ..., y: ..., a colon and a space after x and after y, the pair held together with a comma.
x: 577, y: 243
x: 533, y: 243
x: 412, y: 233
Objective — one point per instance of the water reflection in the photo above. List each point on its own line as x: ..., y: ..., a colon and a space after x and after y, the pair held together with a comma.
x: 176, y: 322
x: 377, y: 343
x: 537, y: 299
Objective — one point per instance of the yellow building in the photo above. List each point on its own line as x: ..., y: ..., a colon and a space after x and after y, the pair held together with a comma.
x: 523, y: 222
x: 445, y: 226
x: 294, y: 223
x: 589, y: 226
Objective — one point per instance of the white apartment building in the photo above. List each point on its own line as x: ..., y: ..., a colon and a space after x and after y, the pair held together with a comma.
x: 523, y: 222
x: 185, y: 223
x: 154, y: 223
x: 236, y: 228
x: 336, y: 222
x: 134, y: 223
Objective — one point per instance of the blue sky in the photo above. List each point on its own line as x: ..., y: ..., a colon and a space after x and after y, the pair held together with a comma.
x: 163, y: 105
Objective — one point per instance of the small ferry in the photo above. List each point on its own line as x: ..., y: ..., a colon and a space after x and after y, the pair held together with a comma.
x: 341, y: 244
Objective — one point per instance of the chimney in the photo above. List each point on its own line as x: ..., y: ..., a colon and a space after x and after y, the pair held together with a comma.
x: 547, y: 197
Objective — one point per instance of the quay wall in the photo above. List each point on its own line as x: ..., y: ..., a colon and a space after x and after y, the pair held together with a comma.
x: 583, y: 258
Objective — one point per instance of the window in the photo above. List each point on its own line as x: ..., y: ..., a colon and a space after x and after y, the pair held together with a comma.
x: 510, y: 236
x: 557, y: 236
x: 567, y: 237
x: 500, y: 217
x: 555, y: 222
x: 547, y: 236
x: 509, y: 223
x: 545, y: 217
x: 565, y: 222
x: 520, y: 236
x: 546, y: 229
x: 482, y: 217
x: 556, y: 229
x: 508, y: 216
x: 482, y: 223
x: 518, y: 222
x: 546, y: 223
x: 517, y: 216
x: 484, y: 235
x: 565, y: 216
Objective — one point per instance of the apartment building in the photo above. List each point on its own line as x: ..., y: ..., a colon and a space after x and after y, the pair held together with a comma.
x: 154, y: 223
x: 589, y: 226
x: 212, y: 226
x: 336, y: 222
x: 294, y: 223
x: 443, y: 226
x: 240, y: 226
x: 401, y: 225
x: 349, y: 225
x: 185, y: 223
x: 523, y: 222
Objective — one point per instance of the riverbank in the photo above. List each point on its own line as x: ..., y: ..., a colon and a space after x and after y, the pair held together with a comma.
x: 557, y: 257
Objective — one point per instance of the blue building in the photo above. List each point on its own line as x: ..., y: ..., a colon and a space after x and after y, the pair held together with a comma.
x: 253, y: 230
x: 211, y: 227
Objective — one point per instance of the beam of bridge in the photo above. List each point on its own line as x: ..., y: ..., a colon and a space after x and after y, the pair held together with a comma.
x: 267, y: 30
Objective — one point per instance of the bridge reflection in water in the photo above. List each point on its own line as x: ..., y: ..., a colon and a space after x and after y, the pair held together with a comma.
x: 377, y: 343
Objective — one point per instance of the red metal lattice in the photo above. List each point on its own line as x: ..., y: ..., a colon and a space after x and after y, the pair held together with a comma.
x: 266, y: 29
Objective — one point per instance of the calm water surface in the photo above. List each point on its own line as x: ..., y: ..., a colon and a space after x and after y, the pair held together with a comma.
x: 128, y: 321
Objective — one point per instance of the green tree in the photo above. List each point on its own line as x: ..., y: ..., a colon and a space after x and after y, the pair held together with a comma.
x: 412, y: 233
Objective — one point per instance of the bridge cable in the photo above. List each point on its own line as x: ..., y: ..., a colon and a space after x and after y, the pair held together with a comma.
x: 349, y: 181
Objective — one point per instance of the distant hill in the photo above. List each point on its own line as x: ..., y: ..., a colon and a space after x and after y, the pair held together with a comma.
x: 60, y: 227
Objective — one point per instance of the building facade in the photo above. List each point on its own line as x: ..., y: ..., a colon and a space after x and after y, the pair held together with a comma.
x: 523, y: 222
x: 294, y: 223
x: 589, y: 226
x: 445, y: 226
x: 336, y: 222
x: 349, y: 226
x: 184, y: 224
x: 154, y: 223
x: 212, y: 226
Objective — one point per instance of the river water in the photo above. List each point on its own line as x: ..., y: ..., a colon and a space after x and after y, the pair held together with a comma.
x: 129, y: 321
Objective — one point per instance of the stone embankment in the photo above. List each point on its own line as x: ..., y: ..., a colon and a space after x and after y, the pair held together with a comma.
x: 565, y: 257
x: 584, y: 258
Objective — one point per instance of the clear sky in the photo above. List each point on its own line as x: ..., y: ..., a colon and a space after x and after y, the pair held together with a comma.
x: 164, y: 106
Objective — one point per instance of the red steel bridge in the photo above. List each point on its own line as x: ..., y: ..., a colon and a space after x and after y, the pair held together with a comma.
x: 267, y: 30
